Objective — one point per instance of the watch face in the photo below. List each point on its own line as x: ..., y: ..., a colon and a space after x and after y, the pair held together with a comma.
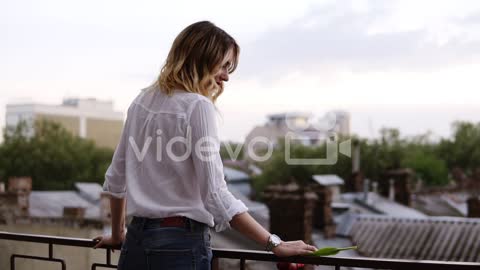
x: 275, y: 240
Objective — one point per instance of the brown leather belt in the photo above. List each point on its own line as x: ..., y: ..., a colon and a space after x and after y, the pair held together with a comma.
x: 176, y: 221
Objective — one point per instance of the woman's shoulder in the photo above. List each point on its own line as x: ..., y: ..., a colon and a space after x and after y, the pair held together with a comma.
x: 154, y: 99
x: 189, y: 100
x: 189, y: 96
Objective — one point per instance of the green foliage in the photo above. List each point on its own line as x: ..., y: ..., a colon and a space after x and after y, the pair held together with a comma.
x: 427, y: 166
x: 463, y: 150
x: 228, y: 150
x: 278, y: 170
x: 52, y: 156
x: 55, y: 159
x: 430, y: 160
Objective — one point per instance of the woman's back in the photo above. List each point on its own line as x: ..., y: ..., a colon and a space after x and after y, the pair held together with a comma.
x: 163, y: 164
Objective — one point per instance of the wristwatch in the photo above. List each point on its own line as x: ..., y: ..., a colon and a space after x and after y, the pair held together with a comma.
x: 273, y: 241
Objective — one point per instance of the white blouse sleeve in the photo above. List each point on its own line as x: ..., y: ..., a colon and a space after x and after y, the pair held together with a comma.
x: 209, y: 167
x: 115, y: 182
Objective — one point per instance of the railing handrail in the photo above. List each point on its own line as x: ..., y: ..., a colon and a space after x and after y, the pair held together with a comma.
x: 49, y: 239
x: 361, y: 262
x: 266, y: 256
x: 55, y: 240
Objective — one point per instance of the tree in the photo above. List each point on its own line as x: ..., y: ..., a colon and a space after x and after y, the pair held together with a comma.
x: 432, y: 170
x: 379, y: 155
x: 229, y: 150
x: 278, y: 170
x: 53, y: 157
x: 463, y: 150
x: 390, y: 151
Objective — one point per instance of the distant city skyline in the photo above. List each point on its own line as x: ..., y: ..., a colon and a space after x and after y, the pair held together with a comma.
x: 410, y: 65
x: 365, y: 121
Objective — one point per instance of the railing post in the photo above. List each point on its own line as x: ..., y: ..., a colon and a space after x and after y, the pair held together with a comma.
x: 215, y: 265
x: 50, y: 250
x: 109, y: 259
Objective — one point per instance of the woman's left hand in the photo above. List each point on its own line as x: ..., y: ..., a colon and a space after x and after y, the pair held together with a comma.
x: 293, y: 248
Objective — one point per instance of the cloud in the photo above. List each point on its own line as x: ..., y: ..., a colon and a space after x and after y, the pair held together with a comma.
x: 473, y: 19
x: 343, y: 36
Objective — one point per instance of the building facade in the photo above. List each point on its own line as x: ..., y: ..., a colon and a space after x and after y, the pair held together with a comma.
x: 299, y: 128
x: 86, y: 118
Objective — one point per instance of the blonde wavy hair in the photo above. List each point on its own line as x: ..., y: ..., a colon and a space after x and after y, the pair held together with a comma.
x: 196, y: 55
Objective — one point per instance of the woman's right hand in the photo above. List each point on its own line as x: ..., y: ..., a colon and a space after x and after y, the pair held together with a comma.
x: 293, y: 248
x: 108, y: 240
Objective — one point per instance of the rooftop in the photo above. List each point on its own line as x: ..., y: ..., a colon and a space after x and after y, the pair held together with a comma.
x: 328, y: 179
x: 50, y: 204
x: 414, y: 238
x: 377, y: 204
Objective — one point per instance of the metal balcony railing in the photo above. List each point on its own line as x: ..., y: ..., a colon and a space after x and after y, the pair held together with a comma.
x: 242, y: 255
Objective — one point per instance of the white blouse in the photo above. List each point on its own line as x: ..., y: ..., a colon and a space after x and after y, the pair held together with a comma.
x: 167, y: 162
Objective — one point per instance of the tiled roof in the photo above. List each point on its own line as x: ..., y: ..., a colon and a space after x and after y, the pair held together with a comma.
x: 90, y: 191
x: 50, y: 204
x: 443, y: 204
x: 434, y: 205
x: 457, y: 201
x: 377, y: 204
x: 429, y: 238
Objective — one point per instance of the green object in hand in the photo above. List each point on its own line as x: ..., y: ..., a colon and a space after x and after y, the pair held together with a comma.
x: 327, y: 251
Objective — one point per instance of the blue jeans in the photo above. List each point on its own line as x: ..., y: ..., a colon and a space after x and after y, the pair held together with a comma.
x: 149, y: 246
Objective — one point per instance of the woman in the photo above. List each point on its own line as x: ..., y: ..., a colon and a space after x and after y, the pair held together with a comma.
x: 167, y: 167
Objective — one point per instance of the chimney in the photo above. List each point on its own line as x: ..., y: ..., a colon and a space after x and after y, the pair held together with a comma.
x: 391, y: 189
x: 20, y: 185
x: 366, y: 184
x: 355, y: 183
x: 356, y: 157
x: 13, y: 207
x: 473, y: 207
x: 291, y: 211
x: 461, y: 180
x: 400, y: 189
x: 323, y: 213
x: 73, y: 212
x: 375, y: 187
x: 474, y: 186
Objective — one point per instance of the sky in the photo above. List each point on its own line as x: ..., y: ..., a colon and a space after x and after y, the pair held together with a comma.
x: 411, y: 65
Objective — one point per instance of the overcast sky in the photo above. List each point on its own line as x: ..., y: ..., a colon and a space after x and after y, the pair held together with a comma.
x: 413, y: 65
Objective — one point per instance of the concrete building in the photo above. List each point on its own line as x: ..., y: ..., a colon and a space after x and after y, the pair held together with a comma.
x: 342, y: 122
x: 86, y: 118
x: 301, y: 126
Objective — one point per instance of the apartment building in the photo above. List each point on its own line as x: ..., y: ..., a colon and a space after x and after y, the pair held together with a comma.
x: 87, y: 118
